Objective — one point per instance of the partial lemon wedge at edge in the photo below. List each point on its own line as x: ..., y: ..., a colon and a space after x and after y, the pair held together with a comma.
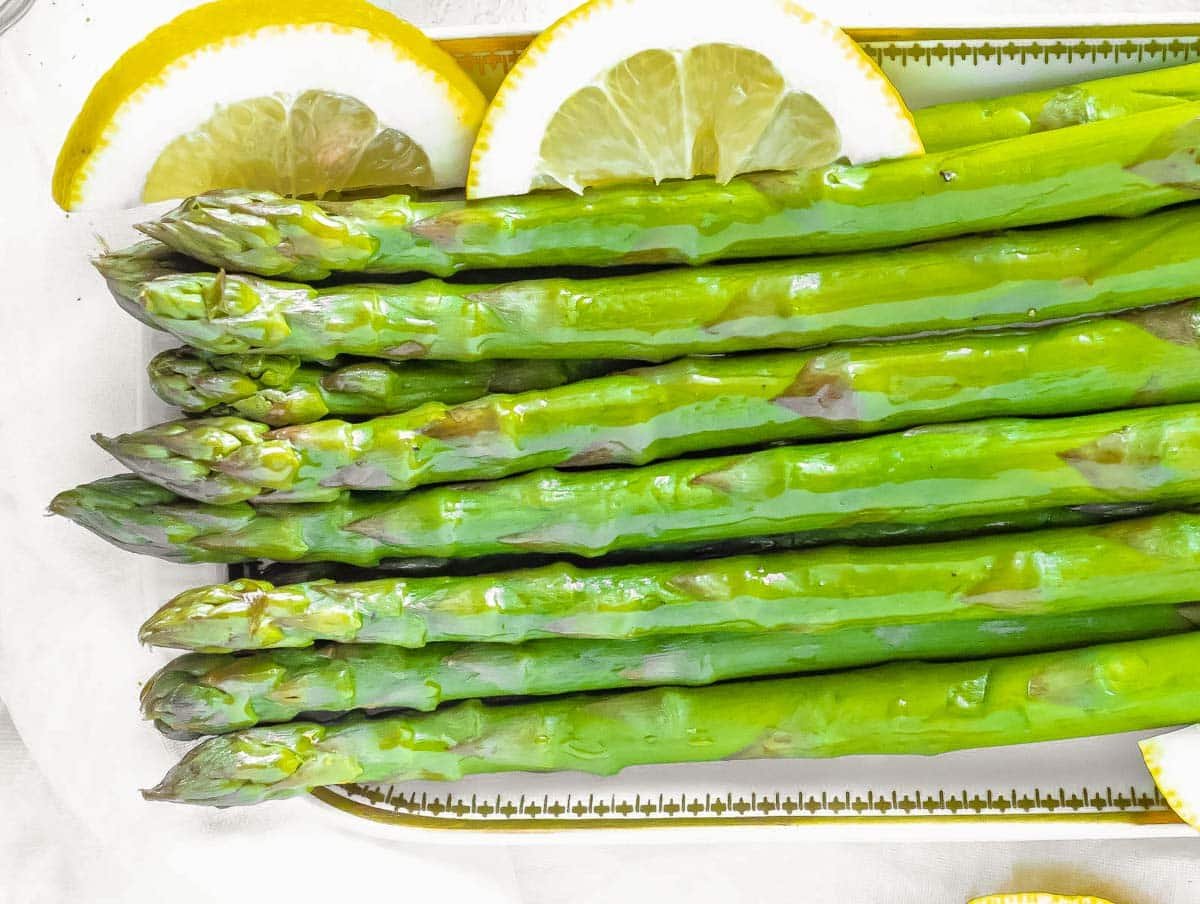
x: 1172, y: 759
x: 628, y: 90
x: 1037, y: 897
x: 297, y: 96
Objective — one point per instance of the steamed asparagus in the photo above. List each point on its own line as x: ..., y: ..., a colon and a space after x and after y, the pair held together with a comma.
x: 904, y: 708
x: 212, y: 694
x: 279, y: 390
x: 975, y: 121
x: 929, y: 476
x: 1149, y: 357
x: 1117, y: 167
x: 1013, y: 278
x: 1147, y: 561
x: 142, y: 517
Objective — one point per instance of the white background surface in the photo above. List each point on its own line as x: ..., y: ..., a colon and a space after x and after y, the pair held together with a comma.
x: 54, y: 847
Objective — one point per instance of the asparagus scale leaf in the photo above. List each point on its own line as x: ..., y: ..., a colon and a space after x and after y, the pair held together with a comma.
x: 1150, y: 357
x: 213, y: 694
x: 1117, y: 167
x: 1013, y: 278
x: 1146, y: 561
x: 280, y: 390
x: 929, y: 477
x: 903, y: 708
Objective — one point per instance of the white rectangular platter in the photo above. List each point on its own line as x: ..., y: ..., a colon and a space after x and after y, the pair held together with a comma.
x: 1094, y: 787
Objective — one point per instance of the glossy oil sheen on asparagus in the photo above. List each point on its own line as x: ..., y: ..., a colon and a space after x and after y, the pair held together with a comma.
x: 698, y: 404
x: 968, y: 122
x: 1116, y: 167
x: 927, y: 476
x: 280, y: 390
x: 905, y: 708
x: 216, y: 693
x: 1144, y: 561
x: 1014, y: 278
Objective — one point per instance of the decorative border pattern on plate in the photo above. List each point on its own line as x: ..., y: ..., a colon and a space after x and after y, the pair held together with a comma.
x: 983, y: 52
x: 449, y: 810
x: 487, y: 59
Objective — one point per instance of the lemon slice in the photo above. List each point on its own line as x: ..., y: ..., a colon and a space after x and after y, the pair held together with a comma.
x: 1038, y: 897
x: 627, y: 90
x: 1171, y: 759
x: 297, y: 96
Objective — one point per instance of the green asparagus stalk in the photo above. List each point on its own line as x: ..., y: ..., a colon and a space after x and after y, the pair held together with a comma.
x: 1149, y: 357
x: 975, y: 121
x: 1115, y: 167
x: 902, y: 708
x: 213, y: 694
x: 924, y: 476
x: 999, y: 280
x: 279, y: 390
x: 143, y: 517
x: 1146, y: 561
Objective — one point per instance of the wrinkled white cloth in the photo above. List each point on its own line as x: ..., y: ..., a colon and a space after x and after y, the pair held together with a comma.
x: 71, y: 826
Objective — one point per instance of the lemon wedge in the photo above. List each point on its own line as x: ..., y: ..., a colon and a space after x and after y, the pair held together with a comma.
x: 303, y: 97
x: 1038, y: 897
x: 1171, y: 759
x: 629, y: 90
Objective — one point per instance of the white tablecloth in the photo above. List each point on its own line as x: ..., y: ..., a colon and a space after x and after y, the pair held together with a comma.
x: 52, y: 853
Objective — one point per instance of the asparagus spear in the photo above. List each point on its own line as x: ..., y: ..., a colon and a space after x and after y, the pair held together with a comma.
x: 1147, y: 561
x: 903, y: 708
x: 1012, y: 278
x: 687, y: 406
x: 975, y: 121
x: 924, y: 476
x: 213, y: 694
x: 1116, y: 167
x: 279, y: 390
x: 145, y: 518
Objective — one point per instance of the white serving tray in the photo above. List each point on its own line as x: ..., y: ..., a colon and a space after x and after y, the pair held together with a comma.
x: 70, y: 663
x: 1094, y: 787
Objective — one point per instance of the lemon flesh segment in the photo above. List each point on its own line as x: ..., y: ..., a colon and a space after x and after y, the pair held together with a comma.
x: 1038, y: 897
x: 314, y: 144
x: 712, y: 110
x: 1172, y: 759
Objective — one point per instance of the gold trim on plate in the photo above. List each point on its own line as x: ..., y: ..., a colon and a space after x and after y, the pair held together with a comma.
x: 531, y: 812
x: 488, y: 59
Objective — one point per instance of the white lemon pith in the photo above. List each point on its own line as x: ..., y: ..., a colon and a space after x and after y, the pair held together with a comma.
x: 307, y: 104
x: 1171, y: 759
x: 624, y: 90
x: 1037, y: 897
